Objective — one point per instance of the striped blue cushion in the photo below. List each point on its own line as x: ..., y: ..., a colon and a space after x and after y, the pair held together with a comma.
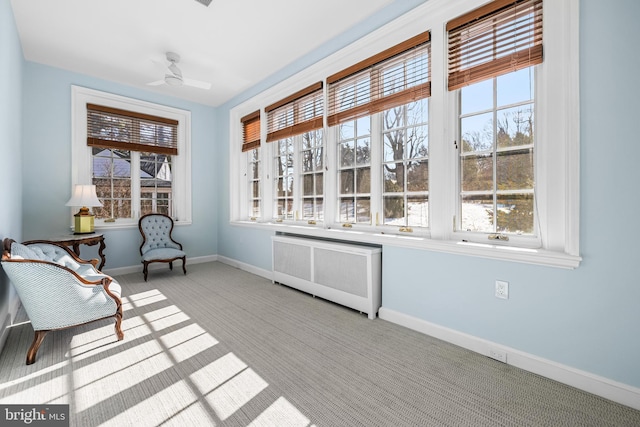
x: 163, y: 253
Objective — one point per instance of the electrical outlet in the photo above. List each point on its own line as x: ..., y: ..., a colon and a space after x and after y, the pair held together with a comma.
x: 502, y: 289
x: 499, y: 355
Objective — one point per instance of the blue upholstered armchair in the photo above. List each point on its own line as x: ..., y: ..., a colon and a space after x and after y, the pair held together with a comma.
x: 59, y: 290
x: 157, y: 243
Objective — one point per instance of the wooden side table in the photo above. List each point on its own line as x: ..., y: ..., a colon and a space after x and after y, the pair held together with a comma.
x: 75, y: 240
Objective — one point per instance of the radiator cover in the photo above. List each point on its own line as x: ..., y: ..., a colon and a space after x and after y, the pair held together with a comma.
x: 344, y: 273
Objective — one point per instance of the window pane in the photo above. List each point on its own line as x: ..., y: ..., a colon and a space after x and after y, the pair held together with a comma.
x: 363, y: 180
x: 346, y: 212
x: 515, y: 213
x: 477, y: 97
x: 394, y: 210
x: 477, y: 213
x: 255, y: 208
x: 122, y: 208
x: 418, y: 176
x: 477, y: 133
x: 347, y: 154
x: 363, y: 151
x: 393, y: 118
x: 417, y: 211
x: 393, y: 145
x: 417, y: 112
x: 417, y: 142
x: 363, y: 126
x: 347, y: 130
x: 514, y: 170
x: 477, y: 173
x: 391, y: 182
x: 319, y: 179
x: 320, y: 209
x: 515, y: 126
x: 363, y: 210
x: 515, y: 87
x: 307, y: 185
x: 346, y: 182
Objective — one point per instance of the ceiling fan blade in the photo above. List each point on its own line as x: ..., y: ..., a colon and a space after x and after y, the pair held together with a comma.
x: 197, y: 83
x: 156, y: 83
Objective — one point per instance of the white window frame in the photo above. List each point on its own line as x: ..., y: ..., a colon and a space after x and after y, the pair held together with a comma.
x: 557, y: 141
x: 81, y: 159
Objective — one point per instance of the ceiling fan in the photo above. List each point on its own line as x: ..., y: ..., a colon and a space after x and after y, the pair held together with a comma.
x: 173, y: 75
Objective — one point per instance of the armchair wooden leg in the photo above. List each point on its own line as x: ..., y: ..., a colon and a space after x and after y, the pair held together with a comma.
x: 144, y: 270
x: 35, y: 345
x: 119, y: 332
x: 171, y: 265
x: 184, y: 264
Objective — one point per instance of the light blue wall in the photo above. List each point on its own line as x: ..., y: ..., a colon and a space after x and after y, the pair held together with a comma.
x: 11, y: 64
x: 47, y: 164
x: 586, y: 318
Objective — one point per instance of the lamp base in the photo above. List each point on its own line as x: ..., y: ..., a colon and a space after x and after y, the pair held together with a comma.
x: 83, y: 222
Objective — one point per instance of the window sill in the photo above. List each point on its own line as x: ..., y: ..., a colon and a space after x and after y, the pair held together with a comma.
x: 124, y: 224
x: 503, y: 253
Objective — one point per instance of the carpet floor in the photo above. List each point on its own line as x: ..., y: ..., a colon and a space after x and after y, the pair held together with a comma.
x: 223, y: 347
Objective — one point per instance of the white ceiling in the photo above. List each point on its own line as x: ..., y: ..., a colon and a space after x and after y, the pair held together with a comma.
x: 233, y: 44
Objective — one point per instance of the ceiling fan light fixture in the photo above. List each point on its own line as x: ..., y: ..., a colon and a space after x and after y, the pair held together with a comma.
x: 173, y: 80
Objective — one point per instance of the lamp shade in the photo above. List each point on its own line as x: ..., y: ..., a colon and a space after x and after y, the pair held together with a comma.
x: 84, y: 195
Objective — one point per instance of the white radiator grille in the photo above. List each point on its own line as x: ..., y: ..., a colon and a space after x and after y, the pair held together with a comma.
x: 341, y: 270
x: 344, y: 273
x: 294, y: 260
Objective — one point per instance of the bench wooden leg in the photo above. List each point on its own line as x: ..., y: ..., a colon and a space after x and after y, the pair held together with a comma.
x: 35, y: 345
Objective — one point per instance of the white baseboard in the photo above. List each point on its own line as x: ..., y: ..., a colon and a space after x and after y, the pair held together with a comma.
x: 138, y: 268
x: 267, y: 274
x: 600, y: 386
x: 10, y: 317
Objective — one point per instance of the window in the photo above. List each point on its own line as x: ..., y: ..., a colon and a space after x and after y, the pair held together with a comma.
x: 380, y: 108
x: 497, y: 155
x: 284, y: 179
x: 354, y: 171
x: 468, y: 144
x: 251, y: 144
x: 405, y: 165
x: 294, y: 126
x: 123, y: 142
x: 255, y: 172
x: 136, y: 154
x: 492, y: 55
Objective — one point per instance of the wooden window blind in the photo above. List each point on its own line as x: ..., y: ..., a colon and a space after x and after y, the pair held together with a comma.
x: 396, y: 76
x: 250, y: 131
x: 114, y: 128
x: 298, y: 113
x: 498, y: 38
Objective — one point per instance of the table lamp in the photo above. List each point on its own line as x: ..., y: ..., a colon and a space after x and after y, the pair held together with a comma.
x: 84, y: 196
